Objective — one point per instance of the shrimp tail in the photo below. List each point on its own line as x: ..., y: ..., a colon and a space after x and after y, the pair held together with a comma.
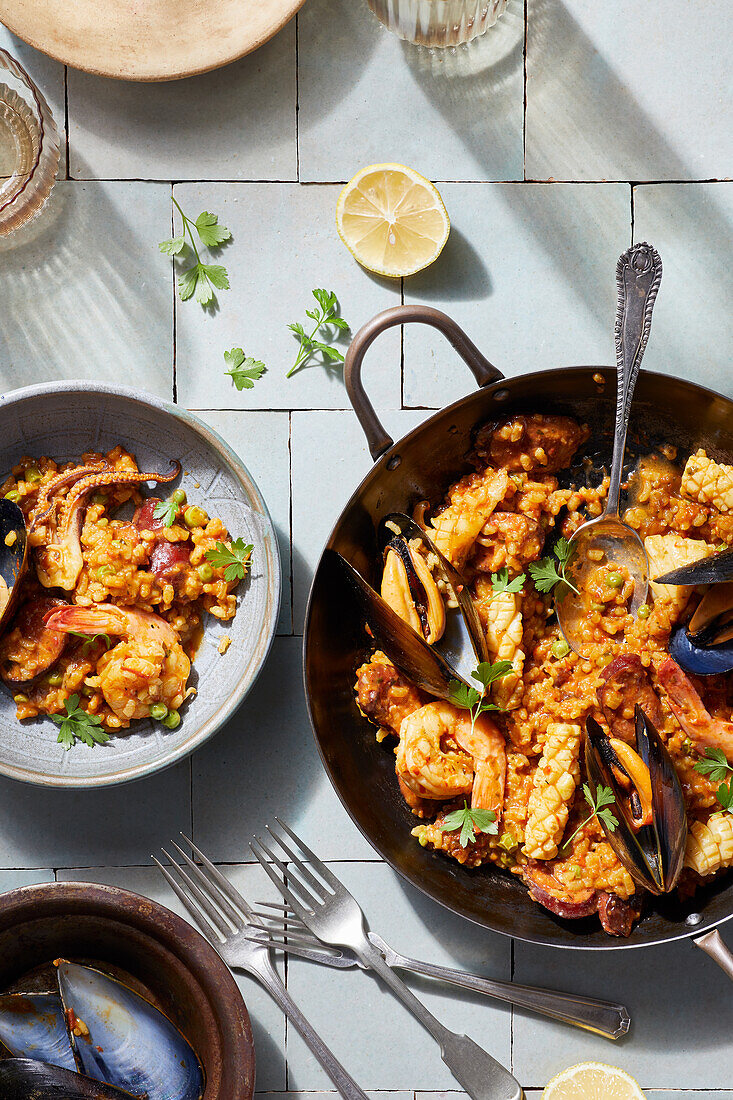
x: 103, y: 619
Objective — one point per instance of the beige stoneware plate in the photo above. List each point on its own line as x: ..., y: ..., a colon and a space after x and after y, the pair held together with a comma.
x: 146, y: 39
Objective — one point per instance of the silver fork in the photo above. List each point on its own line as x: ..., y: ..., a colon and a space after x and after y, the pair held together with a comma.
x: 327, y: 908
x: 288, y: 933
x: 226, y: 920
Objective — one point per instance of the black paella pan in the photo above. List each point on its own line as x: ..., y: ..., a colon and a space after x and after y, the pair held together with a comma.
x: 421, y: 466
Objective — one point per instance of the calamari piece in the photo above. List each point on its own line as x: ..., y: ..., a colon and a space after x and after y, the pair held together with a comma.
x: 553, y: 787
x: 708, y: 482
x: 668, y: 552
x: 455, y: 530
x: 710, y: 844
x: 504, y: 632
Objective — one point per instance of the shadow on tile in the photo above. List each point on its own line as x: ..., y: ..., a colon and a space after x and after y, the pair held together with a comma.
x: 469, y: 276
x: 77, y: 282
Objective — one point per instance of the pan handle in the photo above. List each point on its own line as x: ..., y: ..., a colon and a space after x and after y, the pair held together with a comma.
x: 712, y: 944
x: 484, y: 372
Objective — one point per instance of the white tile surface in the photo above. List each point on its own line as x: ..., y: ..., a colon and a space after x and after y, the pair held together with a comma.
x: 265, y: 764
x: 629, y: 91
x: 530, y: 272
x: 12, y: 880
x: 366, y: 97
x: 236, y: 123
x: 85, y: 292
x: 692, y: 227
x: 284, y: 244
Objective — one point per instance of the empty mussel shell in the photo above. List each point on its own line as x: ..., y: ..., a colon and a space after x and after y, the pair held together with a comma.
x: 120, y: 1038
x: 653, y: 852
x: 13, y: 556
x: 700, y: 660
x: 712, y: 622
x: 33, y: 1025
x: 27, y: 1079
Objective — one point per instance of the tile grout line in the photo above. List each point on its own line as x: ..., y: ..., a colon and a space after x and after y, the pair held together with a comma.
x: 633, y: 212
x: 66, y: 119
x: 297, y: 97
x: 175, y: 309
x: 290, y: 521
x: 524, y: 90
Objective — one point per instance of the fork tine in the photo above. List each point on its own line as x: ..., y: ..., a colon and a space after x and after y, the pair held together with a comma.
x: 287, y: 937
x: 211, y: 890
x: 279, y: 920
x: 319, y: 865
x: 309, y: 877
x: 211, y: 911
x: 275, y: 905
x: 188, y: 903
x: 221, y: 880
x: 297, y: 906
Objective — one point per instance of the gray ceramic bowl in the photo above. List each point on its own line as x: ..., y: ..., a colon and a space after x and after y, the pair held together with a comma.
x: 63, y: 419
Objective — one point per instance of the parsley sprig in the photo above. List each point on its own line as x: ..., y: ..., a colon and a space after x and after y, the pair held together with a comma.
x: 500, y: 582
x: 715, y: 765
x: 599, y: 808
x: 234, y: 560
x: 325, y: 316
x: 470, y: 698
x: 549, y: 572
x: 200, y: 280
x: 78, y: 725
x: 469, y: 822
x: 167, y: 510
x: 91, y: 639
x: 243, y: 370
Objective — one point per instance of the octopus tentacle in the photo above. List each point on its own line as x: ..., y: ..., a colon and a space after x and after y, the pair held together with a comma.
x: 46, y: 502
x: 102, y: 478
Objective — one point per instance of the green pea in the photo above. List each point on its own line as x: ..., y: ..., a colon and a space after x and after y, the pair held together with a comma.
x: 600, y: 607
x: 14, y: 495
x: 102, y: 521
x: 205, y: 572
x: 103, y: 571
x: 159, y: 711
x: 55, y: 679
x: 179, y: 497
x: 172, y: 719
x: 508, y: 842
x: 32, y: 475
x: 560, y: 648
x: 99, y: 498
x: 645, y: 611
x: 195, y: 517
x: 20, y: 698
x: 687, y: 745
x: 615, y: 580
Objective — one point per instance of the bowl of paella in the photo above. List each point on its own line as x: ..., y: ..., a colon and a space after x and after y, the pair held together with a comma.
x: 141, y: 584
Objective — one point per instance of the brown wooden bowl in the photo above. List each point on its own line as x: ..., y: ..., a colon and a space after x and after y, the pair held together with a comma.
x: 145, y: 945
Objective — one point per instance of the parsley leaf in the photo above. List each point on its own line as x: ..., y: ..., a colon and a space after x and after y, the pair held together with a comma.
x: 200, y: 280
x: 243, y: 370
x: 500, y: 582
x: 77, y: 725
x: 469, y: 821
x: 599, y: 808
x: 167, y: 510
x: 326, y: 316
x: 715, y: 764
x: 91, y: 639
x: 234, y: 560
x: 546, y: 574
x: 469, y: 698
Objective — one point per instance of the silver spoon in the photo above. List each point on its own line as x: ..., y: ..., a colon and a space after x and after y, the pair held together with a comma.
x: 638, y: 275
x: 13, y: 557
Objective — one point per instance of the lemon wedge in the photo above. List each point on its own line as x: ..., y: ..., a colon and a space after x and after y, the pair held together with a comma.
x: 593, y: 1081
x: 392, y: 220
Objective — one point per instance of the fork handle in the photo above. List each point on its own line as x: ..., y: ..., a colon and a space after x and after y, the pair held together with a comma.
x: 343, y: 1081
x: 602, y: 1017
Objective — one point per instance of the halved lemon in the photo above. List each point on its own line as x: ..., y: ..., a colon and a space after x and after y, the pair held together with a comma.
x: 593, y: 1081
x: 392, y: 220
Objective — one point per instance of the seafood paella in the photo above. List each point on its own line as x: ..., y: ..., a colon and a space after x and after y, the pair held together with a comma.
x: 598, y: 780
x: 109, y: 613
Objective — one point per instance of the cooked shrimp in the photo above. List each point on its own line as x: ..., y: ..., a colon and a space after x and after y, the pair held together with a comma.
x: 440, y: 757
x: 689, y: 710
x: 147, y: 667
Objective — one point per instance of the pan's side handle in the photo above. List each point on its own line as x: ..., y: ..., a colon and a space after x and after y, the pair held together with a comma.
x: 484, y: 372
x: 712, y: 944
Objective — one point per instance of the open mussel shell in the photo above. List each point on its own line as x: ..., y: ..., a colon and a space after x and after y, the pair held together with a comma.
x: 27, y: 1079
x: 712, y: 622
x: 700, y: 660
x: 122, y: 1039
x: 461, y: 642
x: 652, y: 854
x: 421, y: 663
x: 33, y: 1025
x: 13, y: 557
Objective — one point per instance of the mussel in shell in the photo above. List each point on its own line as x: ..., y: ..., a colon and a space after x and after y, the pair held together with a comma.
x: 651, y: 834
x: 120, y: 1038
x: 700, y: 660
x: 705, y: 646
x: 13, y: 556
x: 33, y: 1025
x: 27, y: 1079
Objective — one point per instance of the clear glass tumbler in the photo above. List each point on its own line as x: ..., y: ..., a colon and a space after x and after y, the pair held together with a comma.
x: 29, y: 146
x: 438, y: 22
